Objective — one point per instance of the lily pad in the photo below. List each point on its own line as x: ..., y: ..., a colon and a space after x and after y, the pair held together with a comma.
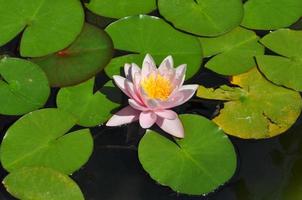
x: 89, y: 109
x: 23, y: 86
x: 147, y: 34
x: 233, y: 52
x: 203, y: 17
x: 39, y: 139
x: 257, y: 109
x: 87, y: 55
x: 121, y: 8
x: 41, y: 183
x: 49, y: 25
x: 286, y: 69
x: 271, y: 14
x: 197, y: 164
x: 116, y: 65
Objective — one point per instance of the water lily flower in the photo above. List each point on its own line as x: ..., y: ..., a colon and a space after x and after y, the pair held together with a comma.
x: 152, y: 93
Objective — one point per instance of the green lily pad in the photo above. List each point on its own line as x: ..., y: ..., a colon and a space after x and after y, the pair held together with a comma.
x: 87, y: 55
x: 197, y: 164
x: 147, y: 34
x: 286, y: 69
x: 257, y: 109
x: 121, y: 8
x: 233, y: 52
x: 41, y: 183
x: 23, y: 86
x: 39, y: 139
x: 202, y: 17
x: 89, y: 109
x: 116, y: 65
x: 271, y: 14
x: 49, y: 25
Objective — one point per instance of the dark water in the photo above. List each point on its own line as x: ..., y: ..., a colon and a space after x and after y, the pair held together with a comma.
x: 269, y: 169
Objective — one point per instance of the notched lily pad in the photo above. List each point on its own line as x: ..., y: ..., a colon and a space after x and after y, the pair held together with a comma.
x: 23, y: 86
x: 197, y: 164
x: 203, y: 17
x: 147, y: 34
x: 286, y: 69
x: 90, y: 109
x: 39, y: 139
x: 257, y: 109
x: 121, y: 8
x: 41, y: 183
x: 86, y: 56
x: 233, y: 52
x: 49, y: 25
x: 271, y: 14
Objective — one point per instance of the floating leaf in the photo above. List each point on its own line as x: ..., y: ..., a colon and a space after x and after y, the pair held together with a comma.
x: 233, y: 52
x: 121, y: 8
x: 50, y: 25
x: 41, y: 183
x: 259, y: 109
x: 23, y: 86
x: 203, y: 17
x: 89, y: 54
x: 197, y: 164
x: 286, y: 70
x: 90, y: 109
x: 116, y: 65
x: 271, y: 14
x: 147, y: 34
x: 37, y: 139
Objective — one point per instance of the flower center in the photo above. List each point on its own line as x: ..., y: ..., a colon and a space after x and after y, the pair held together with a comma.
x: 157, y: 87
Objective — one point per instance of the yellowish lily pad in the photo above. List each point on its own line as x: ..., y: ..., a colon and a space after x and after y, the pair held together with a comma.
x: 257, y: 108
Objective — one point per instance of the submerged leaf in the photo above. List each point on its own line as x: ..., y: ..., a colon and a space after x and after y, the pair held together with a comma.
x: 197, y: 164
x: 203, y: 17
x: 87, y: 55
x: 90, y: 109
x: 49, y: 25
x: 23, y: 86
x: 40, y: 183
x: 147, y: 34
x: 258, y: 109
x: 39, y: 139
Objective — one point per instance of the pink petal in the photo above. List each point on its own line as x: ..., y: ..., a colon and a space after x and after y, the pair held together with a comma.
x: 180, y: 75
x: 137, y: 80
x: 166, y: 65
x: 134, y: 104
x: 130, y: 71
x: 147, y: 119
x: 166, y: 69
x: 148, y: 66
x: 127, y: 71
x: 124, y: 116
x: 121, y: 83
x: 167, y: 114
x: 133, y: 92
x: 180, y: 96
x: 134, y: 69
x: 173, y: 127
x: 186, y: 92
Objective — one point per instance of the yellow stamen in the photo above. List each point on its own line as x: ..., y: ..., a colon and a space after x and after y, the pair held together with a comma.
x: 157, y: 87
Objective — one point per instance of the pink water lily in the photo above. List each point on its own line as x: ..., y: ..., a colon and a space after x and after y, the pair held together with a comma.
x: 152, y: 93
